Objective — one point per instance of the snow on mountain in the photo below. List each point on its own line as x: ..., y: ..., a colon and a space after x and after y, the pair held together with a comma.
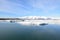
x: 35, y: 17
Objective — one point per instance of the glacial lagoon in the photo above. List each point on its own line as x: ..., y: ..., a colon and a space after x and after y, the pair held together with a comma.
x: 15, y: 31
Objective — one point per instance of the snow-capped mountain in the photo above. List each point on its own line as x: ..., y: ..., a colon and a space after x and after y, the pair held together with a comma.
x: 36, y: 17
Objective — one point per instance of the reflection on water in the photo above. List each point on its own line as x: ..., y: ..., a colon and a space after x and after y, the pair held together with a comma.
x: 14, y: 31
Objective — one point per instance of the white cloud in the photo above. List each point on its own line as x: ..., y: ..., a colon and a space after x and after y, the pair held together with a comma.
x: 45, y: 5
x: 12, y: 7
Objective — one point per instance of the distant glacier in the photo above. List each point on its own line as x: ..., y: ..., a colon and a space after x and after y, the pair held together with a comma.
x: 32, y: 20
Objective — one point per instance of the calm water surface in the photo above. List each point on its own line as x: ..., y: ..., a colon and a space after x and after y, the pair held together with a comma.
x: 14, y: 31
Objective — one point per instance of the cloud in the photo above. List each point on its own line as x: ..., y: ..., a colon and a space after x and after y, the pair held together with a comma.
x: 45, y: 5
x: 28, y: 6
x: 12, y: 7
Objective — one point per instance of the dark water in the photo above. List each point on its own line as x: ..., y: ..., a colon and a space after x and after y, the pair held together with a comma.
x: 14, y: 31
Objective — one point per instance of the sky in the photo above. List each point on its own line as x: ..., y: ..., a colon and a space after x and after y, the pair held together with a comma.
x: 18, y: 8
